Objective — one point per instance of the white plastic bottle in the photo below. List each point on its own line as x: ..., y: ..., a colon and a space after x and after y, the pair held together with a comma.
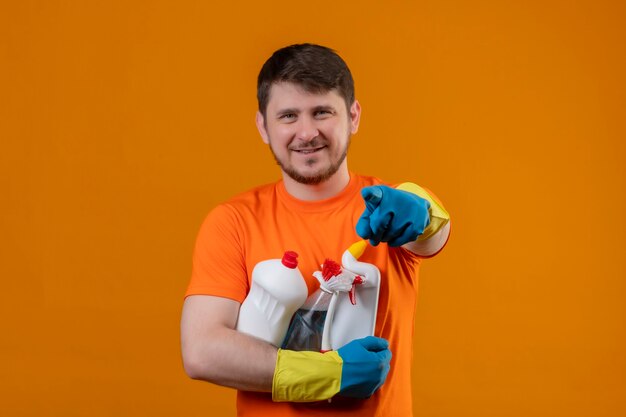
x: 359, y: 320
x: 278, y: 289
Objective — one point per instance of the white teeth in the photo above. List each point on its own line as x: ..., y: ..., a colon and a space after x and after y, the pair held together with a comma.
x: 307, y: 151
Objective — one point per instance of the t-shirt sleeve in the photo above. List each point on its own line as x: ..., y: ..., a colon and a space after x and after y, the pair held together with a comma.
x: 219, y: 267
x: 440, y: 203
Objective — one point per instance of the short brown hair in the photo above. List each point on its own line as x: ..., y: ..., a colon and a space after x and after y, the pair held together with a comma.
x: 315, y: 68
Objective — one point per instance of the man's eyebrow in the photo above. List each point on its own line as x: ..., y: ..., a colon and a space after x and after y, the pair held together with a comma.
x: 294, y: 110
x: 287, y: 111
x: 324, y: 107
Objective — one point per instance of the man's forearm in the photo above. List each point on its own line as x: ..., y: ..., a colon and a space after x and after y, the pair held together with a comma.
x: 213, y: 351
x: 223, y: 356
x: 432, y: 245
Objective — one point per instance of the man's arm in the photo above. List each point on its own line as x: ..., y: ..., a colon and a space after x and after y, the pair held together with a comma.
x: 406, y: 216
x: 214, y: 351
x: 432, y: 245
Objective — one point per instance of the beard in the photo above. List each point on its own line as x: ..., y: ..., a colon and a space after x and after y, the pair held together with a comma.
x: 318, y: 177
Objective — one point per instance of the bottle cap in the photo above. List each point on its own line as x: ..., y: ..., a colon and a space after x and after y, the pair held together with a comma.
x: 290, y: 259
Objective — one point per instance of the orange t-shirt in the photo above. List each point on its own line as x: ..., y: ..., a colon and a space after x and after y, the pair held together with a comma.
x: 266, y: 221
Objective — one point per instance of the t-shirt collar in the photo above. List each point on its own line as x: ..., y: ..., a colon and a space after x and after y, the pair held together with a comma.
x: 327, y: 204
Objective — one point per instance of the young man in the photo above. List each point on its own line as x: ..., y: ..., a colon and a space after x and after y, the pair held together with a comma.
x: 307, y: 113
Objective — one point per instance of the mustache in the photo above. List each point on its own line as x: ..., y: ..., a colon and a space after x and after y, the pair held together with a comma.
x: 315, y: 143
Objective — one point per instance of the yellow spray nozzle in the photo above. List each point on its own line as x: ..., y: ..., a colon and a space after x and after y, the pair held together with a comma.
x: 357, y: 249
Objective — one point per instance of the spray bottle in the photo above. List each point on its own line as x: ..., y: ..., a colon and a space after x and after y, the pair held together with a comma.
x: 352, y: 318
x: 344, y: 308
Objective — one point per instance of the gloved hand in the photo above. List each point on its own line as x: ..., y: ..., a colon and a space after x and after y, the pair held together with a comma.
x: 356, y: 370
x: 393, y: 216
x: 365, y: 366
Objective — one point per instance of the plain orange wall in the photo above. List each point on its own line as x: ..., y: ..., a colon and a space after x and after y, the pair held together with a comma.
x: 122, y: 123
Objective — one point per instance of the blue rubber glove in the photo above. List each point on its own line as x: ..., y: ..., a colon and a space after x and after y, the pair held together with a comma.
x: 365, y: 366
x: 393, y: 216
x: 356, y: 370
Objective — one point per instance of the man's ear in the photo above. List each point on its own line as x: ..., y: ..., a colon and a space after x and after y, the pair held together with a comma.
x: 260, y: 125
x: 355, y: 116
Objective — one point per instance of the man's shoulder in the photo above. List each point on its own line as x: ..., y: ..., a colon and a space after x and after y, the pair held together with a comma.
x: 251, y: 199
x: 242, y: 207
x: 368, y: 180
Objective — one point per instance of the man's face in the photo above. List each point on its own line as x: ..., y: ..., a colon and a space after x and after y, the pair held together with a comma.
x: 308, y: 133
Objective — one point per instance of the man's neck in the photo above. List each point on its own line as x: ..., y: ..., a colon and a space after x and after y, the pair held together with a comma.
x: 313, y: 192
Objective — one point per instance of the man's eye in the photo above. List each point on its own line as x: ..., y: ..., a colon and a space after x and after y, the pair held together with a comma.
x: 322, y: 113
x: 288, y: 116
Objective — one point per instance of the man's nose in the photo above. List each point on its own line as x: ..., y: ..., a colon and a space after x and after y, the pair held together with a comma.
x: 307, y: 129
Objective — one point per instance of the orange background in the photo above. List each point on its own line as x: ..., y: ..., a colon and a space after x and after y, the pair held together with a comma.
x: 123, y: 123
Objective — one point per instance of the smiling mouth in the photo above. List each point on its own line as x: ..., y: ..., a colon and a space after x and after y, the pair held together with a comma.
x: 308, y: 151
